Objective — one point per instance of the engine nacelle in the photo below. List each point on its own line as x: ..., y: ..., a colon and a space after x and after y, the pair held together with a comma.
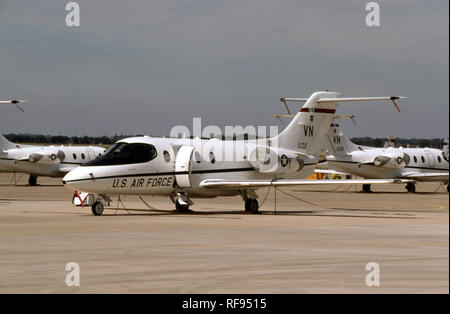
x: 266, y: 160
x: 47, y: 157
x: 392, y: 161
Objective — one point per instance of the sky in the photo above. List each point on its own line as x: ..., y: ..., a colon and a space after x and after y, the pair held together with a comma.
x: 142, y: 67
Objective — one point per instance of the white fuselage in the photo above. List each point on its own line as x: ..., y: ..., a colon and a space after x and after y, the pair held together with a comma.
x: 160, y: 175
x: 52, y: 161
x: 422, y: 164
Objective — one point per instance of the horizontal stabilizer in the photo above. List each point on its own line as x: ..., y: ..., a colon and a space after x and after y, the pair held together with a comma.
x: 344, y: 99
x: 12, y: 101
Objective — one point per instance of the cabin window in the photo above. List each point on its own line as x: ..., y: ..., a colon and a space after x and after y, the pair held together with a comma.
x: 74, y: 156
x: 83, y: 156
x: 415, y: 159
x: 166, y: 156
x: 125, y: 153
x: 422, y: 158
x: 439, y: 159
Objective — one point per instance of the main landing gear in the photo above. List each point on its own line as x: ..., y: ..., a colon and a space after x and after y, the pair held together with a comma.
x: 181, y: 206
x: 410, y: 187
x: 366, y: 188
x: 251, y: 205
x: 182, y: 202
x: 32, y: 180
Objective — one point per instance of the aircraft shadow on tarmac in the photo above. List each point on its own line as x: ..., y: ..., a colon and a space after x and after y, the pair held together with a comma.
x: 203, y: 214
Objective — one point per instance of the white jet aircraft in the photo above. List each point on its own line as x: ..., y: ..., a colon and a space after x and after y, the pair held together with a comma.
x: 418, y: 164
x: 175, y: 168
x: 49, y: 161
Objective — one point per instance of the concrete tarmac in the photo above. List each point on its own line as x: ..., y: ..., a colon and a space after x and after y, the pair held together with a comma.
x: 318, y: 242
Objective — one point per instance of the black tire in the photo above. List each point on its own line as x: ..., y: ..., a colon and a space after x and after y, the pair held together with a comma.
x: 97, y: 208
x: 181, y: 208
x: 248, y: 202
x: 411, y: 187
x: 366, y: 188
x: 32, y: 180
x: 254, y: 206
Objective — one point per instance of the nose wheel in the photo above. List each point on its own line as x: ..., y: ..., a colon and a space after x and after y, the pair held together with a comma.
x: 97, y: 208
x: 251, y: 205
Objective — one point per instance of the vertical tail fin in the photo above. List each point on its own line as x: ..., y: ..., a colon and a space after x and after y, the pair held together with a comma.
x: 5, y: 144
x: 390, y: 142
x: 307, y: 132
x: 337, y: 142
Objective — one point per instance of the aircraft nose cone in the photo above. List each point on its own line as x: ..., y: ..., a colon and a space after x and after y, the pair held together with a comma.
x: 71, y: 179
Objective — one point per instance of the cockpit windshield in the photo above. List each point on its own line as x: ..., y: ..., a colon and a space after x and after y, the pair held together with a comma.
x: 125, y: 153
x: 445, y: 155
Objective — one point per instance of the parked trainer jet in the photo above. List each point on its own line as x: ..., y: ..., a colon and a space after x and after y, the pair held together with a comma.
x: 182, y: 168
x: 389, y: 162
x: 49, y: 161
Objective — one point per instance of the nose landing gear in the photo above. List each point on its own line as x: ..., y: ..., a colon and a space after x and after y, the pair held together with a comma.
x: 97, y: 208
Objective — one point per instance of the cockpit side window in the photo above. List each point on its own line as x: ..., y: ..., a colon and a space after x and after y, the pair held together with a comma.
x: 445, y: 156
x: 125, y: 153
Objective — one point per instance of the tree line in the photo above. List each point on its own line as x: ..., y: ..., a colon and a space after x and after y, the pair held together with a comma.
x: 108, y: 140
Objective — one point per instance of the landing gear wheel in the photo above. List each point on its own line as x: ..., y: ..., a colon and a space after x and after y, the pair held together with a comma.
x: 181, y: 208
x: 366, y: 188
x: 32, y: 180
x: 251, y: 206
x: 97, y: 208
x: 411, y: 187
x: 248, y: 202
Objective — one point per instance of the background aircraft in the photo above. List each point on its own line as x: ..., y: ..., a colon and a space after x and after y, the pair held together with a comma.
x: 51, y: 161
x: 389, y: 162
x: 176, y: 168
x: 14, y: 102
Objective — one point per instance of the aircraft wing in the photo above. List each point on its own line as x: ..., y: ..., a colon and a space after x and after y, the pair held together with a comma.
x: 426, y: 175
x: 242, y: 184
